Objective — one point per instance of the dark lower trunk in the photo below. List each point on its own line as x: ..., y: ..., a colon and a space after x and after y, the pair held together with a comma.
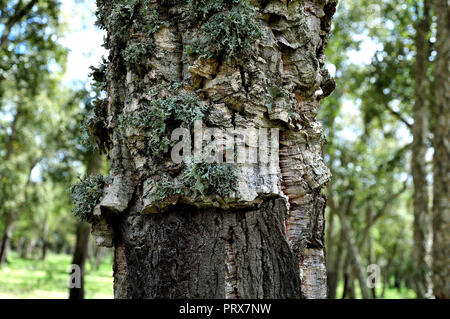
x: 206, y: 253
x: 4, y: 248
x: 79, y: 258
x: 44, y: 250
x: 6, y: 238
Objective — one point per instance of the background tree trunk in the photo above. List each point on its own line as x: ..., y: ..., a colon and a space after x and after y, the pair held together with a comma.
x: 355, y: 264
x: 10, y: 218
x: 441, y: 201
x: 79, y: 257
x: 80, y: 254
x: 420, y: 131
x: 267, y: 240
x: 335, y: 270
x: 7, y: 234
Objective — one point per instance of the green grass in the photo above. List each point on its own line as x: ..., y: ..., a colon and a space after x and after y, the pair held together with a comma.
x: 390, y: 293
x: 48, y: 279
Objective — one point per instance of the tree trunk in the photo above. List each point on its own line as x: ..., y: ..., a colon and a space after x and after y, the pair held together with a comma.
x: 97, y: 257
x: 372, y: 261
x: 387, y: 270
x: 330, y: 249
x: 10, y: 218
x: 44, y: 250
x: 263, y: 239
x: 44, y: 238
x: 422, y: 221
x: 79, y: 258
x: 356, y: 266
x: 6, y: 238
x: 334, y: 271
x: 441, y: 191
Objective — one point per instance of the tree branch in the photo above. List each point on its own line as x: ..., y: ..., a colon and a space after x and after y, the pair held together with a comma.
x: 398, y: 116
x: 18, y: 15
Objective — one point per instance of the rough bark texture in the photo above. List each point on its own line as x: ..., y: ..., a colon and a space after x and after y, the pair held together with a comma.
x: 422, y: 219
x: 441, y: 201
x: 189, y: 252
x: 265, y: 239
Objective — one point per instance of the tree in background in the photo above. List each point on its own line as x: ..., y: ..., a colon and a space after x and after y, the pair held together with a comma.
x: 93, y: 166
x: 421, y: 134
x: 393, y: 93
x: 28, y: 50
x: 441, y: 143
x: 90, y: 156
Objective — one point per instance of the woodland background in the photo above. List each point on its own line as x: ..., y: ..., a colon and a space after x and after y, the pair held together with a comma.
x: 379, y: 52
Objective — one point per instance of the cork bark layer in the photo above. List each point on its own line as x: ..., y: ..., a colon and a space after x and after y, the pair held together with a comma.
x: 264, y: 239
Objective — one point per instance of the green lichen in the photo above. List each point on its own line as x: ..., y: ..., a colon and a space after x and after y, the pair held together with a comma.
x: 122, y: 16
x: 98, y: 75
x: 153, y: 116
x: 231, y: 33
x: 188, y: 109
x: 198, y: 181
x: 166, y: 189
x: 152, y: 22
x: 86, y: 195
x: 100, y: 14
x: 135, y: 54
x: 204, y: 178
x: 274, y: 93
x: 152, y: 119
x: 126, y: 16
x: 201, y: 9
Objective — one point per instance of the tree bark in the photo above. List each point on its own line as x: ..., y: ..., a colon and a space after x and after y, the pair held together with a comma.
x: 441, y: 191
x: 420, y: 131
x: 265, y: 240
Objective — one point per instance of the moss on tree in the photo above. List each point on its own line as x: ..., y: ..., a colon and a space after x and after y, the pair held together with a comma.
x: 197, y: 181
x: 155, y: 114
x: 86, y: 195
x: 230, y: 33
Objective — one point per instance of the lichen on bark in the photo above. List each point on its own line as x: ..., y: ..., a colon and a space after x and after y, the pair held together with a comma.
x: 262, y: 238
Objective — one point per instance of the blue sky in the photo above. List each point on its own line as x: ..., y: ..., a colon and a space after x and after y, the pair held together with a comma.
x: 82, y: 38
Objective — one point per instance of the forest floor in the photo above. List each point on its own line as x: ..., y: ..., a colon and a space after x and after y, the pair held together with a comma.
x: 390, y: 293
x: 49, y: 278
